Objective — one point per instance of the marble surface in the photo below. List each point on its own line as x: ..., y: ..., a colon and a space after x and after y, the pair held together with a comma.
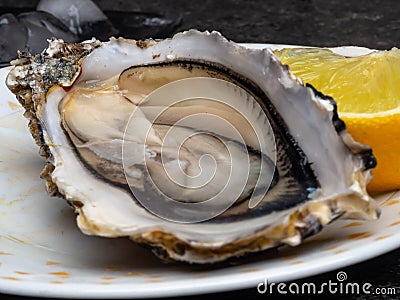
x: 374, y: 24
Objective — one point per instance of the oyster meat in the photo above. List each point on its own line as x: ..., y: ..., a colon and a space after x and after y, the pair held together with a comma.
x: 196, y: 146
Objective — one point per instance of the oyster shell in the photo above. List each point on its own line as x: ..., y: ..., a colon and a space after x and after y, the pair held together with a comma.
x: 102, y: 117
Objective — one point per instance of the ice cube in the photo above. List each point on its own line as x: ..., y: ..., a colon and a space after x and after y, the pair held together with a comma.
x: 13, y: 36
x: 42, y: 26
x: 82, y: 17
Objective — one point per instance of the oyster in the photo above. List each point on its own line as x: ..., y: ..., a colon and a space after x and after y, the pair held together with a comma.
x: 139, y: 136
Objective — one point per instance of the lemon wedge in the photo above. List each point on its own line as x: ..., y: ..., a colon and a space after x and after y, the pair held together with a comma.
x: 367, y: 90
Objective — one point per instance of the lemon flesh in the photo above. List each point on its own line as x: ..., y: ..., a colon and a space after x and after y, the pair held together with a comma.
x: 367, y: 91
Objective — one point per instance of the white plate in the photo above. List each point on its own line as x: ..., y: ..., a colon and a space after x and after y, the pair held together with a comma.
x: 42, y: 253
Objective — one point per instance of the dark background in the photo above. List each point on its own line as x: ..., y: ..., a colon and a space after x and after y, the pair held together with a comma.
x: 374, y: 24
